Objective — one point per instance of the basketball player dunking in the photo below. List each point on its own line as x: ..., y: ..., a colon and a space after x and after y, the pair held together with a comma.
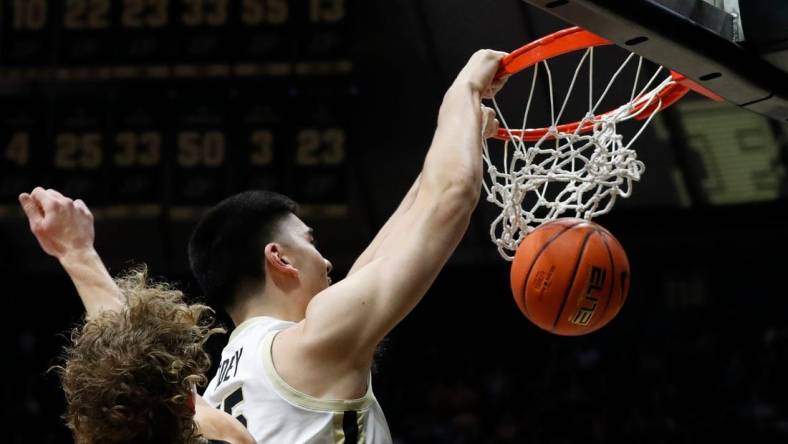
x: 297, y: 367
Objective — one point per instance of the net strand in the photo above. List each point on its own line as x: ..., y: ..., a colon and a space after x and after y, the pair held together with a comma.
x: 567, y: 173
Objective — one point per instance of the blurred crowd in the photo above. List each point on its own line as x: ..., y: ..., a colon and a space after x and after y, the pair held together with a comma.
x: 695, y: 384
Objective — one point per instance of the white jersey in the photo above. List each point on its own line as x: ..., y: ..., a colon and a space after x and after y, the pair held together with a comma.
x: 248, y: 387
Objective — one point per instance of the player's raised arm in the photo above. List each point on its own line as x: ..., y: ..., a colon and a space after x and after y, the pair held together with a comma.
x: 345, y: 322
x: 64, y: 229
x: 395, y: 220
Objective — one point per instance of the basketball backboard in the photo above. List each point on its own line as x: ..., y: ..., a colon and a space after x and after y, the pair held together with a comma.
x: 737, y: 50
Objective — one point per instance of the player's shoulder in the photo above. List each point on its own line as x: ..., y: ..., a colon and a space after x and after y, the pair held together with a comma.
x: 258, y: 325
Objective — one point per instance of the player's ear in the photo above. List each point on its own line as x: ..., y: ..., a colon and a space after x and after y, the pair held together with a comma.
x: 278, y: 261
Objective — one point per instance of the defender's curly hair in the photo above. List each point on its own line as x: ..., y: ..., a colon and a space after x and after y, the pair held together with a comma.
x: 129, y: 375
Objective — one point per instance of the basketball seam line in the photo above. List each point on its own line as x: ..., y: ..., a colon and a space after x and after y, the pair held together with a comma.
x: 612, y: 280
x: 524, y: 293
x: 624, y: 292
x: 572, y: 280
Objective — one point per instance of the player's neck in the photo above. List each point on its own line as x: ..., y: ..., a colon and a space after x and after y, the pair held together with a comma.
x: 272, y: 302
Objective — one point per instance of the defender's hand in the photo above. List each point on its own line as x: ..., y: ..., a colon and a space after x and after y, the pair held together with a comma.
x: 479, y: 73
x: 61, y: 225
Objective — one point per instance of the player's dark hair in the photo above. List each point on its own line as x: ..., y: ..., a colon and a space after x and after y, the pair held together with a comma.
x: 226, y: 249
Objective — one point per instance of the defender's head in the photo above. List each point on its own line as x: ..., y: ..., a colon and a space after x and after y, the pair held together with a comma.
x: 129, y: 375
x: 251, y: 240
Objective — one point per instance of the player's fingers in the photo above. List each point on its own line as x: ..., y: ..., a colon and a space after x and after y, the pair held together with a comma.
x: 481, y: 69
x: 80, y: 204
x: 499, y: 83
x: 57, y: 195
x: 489, y: 55
x: 489, y: 60
x: 494, y: 87
x: 37, y: 192
x: 44, y: 199
x: 33, y: 212
x: 490, y: 122
x: 493, y: 129
x: 488, y: 114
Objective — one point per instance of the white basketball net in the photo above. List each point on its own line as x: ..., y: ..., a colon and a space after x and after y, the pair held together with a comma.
x: 567, y: 174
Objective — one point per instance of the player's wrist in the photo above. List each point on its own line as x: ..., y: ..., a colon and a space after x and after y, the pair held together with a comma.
x: 460, y: 98
x: 463, y: 87
x: 78, y: 256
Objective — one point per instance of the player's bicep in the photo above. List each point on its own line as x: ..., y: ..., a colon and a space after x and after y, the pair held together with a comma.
x: 351, y: 317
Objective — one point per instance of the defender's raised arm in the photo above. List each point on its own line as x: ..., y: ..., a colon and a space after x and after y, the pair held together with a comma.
x: 64, y: 229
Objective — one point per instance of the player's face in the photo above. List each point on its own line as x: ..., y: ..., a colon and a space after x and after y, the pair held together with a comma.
x: 313, y: 268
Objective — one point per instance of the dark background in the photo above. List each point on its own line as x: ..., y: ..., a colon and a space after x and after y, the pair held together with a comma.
x: 151, y: 117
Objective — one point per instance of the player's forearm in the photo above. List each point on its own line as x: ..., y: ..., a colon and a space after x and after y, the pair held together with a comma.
x: 454, y: 159
x: 216, y: 424
x: 94, y: 284
x: 453, y: 163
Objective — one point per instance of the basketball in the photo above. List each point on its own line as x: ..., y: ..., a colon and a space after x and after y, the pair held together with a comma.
x: 570, y: 276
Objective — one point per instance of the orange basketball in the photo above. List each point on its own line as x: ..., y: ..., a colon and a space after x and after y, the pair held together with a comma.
x: 570, y: 276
